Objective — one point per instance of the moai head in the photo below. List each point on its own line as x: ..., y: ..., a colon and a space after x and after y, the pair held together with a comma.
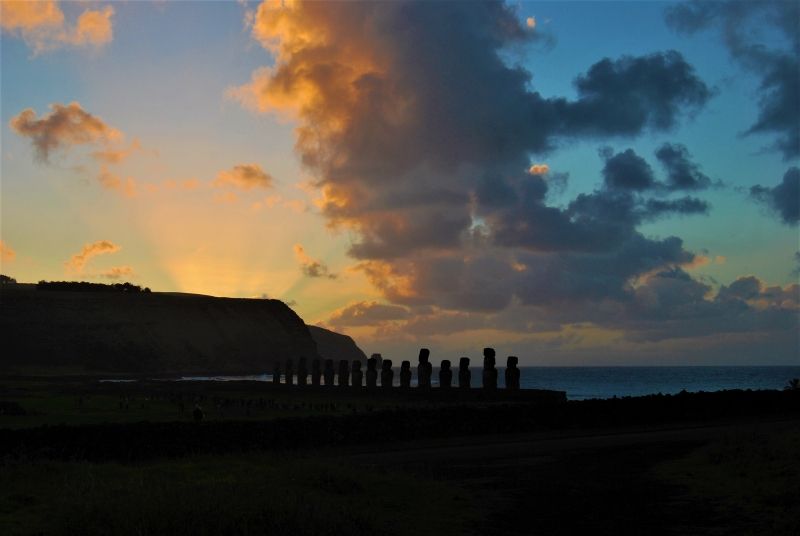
x: 378, y: 360
x: 372, y: 363
x: 289, y: 364
x: 356, y: 365
x: 301, y: 363
x: 387, y: 364
x: 329, y: 364
x: 344, y: 366
x: 424, y: 354
x: 445, y: 364
x: 463, y: 363
x: 405, y: 365
x: 315, y: 365
x: 512, y: 361
x: 276, y: 366
x: 488, y: 358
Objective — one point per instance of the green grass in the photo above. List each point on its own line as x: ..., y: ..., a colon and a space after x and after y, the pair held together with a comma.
x: 752, y: 480
x: 253, y: 494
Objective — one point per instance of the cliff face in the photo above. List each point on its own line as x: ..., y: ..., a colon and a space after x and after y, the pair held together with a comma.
x: 154, y: 332
x: 332, y: 345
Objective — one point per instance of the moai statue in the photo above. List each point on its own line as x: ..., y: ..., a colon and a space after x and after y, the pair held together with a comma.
x: 344, y: 373
x: 512, y: 374
x: 328, y: 374
x: 302, y: 372
x: 378, y: 361
x: 276, y: 372
x: 316, y: 372
x: 464, y: 374
x: 372, y: 373
x: 445, y: 375
x: 424, y: 369
x: 489, y: 372
x: 358, y: 376
x: 289, y: 372
x: 405, y: 375
x: 387, y: 374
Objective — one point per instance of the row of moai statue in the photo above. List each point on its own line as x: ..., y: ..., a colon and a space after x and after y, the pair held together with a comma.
x: 348, y: 375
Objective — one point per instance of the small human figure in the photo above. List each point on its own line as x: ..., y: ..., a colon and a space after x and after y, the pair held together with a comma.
x: 489, y: 370
x: 315, y: 372
x: 405, y: 375
x: 344, y: 373
x: 372, y: 373
x: 464, y: 374
x: 276, y: 373
x: 424, y: 369
x: 512, y: 374
x: 358, y: 376
x: 197, y: 413
x: 445, y: 375
x: 387, y: 374
x: 289, y: 372
x: 302, y: 372
x: 328, y: 374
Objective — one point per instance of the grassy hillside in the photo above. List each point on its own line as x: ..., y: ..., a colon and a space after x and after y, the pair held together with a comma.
x: 146, y: 332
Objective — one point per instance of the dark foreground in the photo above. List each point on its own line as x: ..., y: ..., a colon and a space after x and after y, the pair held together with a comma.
x: 708, y: 463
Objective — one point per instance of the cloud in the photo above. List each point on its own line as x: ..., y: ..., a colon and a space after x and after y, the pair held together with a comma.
x: 77, y: 262
x: 6, y: 253
x: 627, y: 171
x: 43, y: 27
x: 116, y: 272
x: 683, y: 174
x: 746, y: 28
x: 539, y: 169
x: 783, y: 199
x: 63, y: 127
x: 245, y: 177
x: 312, y: 267
x: 367, y: 314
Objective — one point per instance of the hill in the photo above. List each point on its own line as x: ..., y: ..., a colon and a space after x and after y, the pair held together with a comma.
x: 336, y: 346
x: 154, y: 332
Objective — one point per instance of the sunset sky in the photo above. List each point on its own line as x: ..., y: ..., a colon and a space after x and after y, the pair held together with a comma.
x: 573, y: 183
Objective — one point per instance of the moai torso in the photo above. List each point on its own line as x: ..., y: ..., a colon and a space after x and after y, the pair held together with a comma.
x: 358, y: 376
x: 344, y: 373
x: 424, y: 369
x: 405, y: 374
x: 302, y: 371
x: 289, y: 372
x: 387, y: 374
x: 489, y: 370
x: 316, y: 372
x: 372, y: 373
x: 512, y: 374
x: 276, y: 373
x: 464, y: 374
x: 328, y: 374
x: 445, y: 375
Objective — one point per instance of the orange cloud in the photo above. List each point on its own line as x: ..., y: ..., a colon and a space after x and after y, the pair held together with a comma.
x: 62, y: 128
x: 77, y: 262
x: 43, y: 27
x: 116, y: 272
x: 312, y: 267
x: 531, y: 22
x: 244, y: 176
x: 112, y: 181
x: 539, y: 169
x: 6, y: 253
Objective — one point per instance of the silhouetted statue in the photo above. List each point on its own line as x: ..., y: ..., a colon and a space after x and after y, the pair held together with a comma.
x: 289, y: 372
x: 405, y: 375
x: 445, y: 375
x: 328, y: 374
x: 276, y: 373
x: 489, y: 372
x: 358, y: 376
x: 344, y: 373
x: 387, y: 374
x: 197, y: 414
x: 424, y: 369
x: 464, y: 374
x: 372, y: 373
x: 512, y: 374
x: 315, y: 372
x: 302, y: 371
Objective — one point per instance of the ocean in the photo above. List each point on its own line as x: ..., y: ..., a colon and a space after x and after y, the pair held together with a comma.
x: 582, y: 383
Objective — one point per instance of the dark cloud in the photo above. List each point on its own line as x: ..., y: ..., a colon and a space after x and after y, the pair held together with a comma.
x: 367, y: 314
x: 784, y: 198
x: 745, y: 27
x: 682, y: 173
x: 627, y: 171
x: 312, y: 267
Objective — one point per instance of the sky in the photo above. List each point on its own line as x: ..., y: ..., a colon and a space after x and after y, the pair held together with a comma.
x: 574, y: 183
